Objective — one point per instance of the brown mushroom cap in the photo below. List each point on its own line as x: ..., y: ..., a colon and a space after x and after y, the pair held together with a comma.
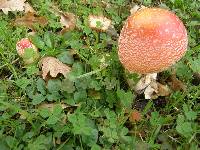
x: 152, y: 40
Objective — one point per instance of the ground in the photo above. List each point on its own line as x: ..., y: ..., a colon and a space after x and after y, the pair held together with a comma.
x: 92, y: 106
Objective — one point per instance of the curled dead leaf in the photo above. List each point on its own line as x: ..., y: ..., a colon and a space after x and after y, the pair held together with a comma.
x: 53, y: 66
x: 134, y: 9
x: 12, y: 5
x: 176, y: 84
x: 67, y: 19
x: 58, y: 140
x: 99, y: 23
x: 112, y: 32
x: 144, y: 82
x: 151, y: 88
x: 151, y: 91
x: 156, y: 89
x: 163, y: 90
x: 29, y: 19
x: 28, y: 8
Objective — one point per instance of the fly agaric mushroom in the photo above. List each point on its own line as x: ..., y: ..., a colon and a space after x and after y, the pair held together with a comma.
x: 152, y: 40
x: 22, y: 46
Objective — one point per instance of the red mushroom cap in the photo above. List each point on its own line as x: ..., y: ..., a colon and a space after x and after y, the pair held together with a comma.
x: 21, y: 47
x: 23, y: 44
x: 152, y: 40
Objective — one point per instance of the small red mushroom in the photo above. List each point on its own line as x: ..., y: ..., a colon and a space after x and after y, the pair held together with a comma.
x: 21, y: 47
x: 152, y: 40
x: 23, y: 44
x: 135, y: 116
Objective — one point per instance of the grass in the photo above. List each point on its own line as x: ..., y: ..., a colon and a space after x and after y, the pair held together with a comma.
x: 91, y: 108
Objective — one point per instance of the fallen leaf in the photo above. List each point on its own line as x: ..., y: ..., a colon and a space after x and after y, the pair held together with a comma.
x: 12, y: 5
x: 28, y: 8
x: 112, y: 32
x: 53, y: 66
x: 67, y: 19
x: 135, y: 116
x: 29, y: 19
x: 134, y: 9
x: 50, y: 106
x: 151, y: 88
x: 100, y: 23
x: 163, y: 90
x: 58, y: 140
x: 156, y: 89
x: 176, y: 84
x: 144, y: 82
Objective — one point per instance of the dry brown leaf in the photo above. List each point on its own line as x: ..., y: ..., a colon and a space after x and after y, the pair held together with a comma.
x: 58, y: 141
x: 53, y: 66
x: 156, y: 89
x: 163, y: 90
x: 112, y: 32
x: 50, y: 106
x: 67, y: 20
x: 134, y: 9
x: 103, y: 22
x: 151, y: 88
x: 144, y: 82
x: 176, y: 84
x: 29, y: 19
x: 28, y: 8
x: 151, y: 91
x: 12, y: 5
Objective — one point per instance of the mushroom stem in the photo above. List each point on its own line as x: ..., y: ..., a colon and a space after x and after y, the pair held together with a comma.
x: 144, y: 82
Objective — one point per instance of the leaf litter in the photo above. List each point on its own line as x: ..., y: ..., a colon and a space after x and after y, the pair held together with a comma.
x: 30, y: 19
x: 151, y: 88
x: 12, y: 5
x: 53, y: 66
x: 15, y: 5
x: 67, y: 19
